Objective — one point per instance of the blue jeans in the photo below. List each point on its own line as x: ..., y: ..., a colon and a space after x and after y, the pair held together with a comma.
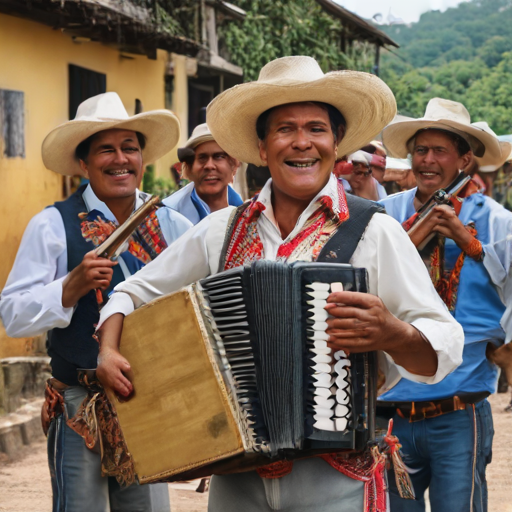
x: 445, y: 456
x: 75, y: 471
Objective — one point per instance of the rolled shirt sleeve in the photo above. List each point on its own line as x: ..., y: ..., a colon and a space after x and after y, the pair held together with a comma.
x: 31, y: 301
x: 398, y: 276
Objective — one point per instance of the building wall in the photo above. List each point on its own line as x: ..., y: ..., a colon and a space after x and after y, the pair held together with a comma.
x: 34, y: 59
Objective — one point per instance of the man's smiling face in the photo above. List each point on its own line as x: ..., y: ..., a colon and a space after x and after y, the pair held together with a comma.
x: 435, y: 161
x: 213, y: 169
x: 114, y: 164
x: 299, y: 149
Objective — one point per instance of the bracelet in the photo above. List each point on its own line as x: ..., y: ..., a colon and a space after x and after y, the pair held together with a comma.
x: 474, y: 249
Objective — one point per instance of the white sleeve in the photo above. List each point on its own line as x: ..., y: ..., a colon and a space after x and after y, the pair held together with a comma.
x: 182, y: 263
x: 398, y: 276
x: 31, y: 301
x: 498, y: 260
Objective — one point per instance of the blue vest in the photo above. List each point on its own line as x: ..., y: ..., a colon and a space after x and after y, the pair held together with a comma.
x: 479, y: 309
x: 73, y: 347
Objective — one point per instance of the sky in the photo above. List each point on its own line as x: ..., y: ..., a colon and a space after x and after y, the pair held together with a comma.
x: 408, y: 10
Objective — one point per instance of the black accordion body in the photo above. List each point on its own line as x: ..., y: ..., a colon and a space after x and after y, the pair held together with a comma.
x: 268, y: 322
x: 234, y: 372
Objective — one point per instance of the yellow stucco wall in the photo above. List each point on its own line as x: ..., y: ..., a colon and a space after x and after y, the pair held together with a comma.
x: 35, y: 60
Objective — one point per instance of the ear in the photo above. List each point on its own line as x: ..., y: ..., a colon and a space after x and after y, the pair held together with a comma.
x: 263, y: 151
x: 83, y: 166
x: 341, y: 134
x: 466, y: 160
x: 235, y: 165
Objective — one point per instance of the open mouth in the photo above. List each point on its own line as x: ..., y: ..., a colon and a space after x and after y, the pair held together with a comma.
x: 119, y: 172
x: 302, y: 164
x: 429, y: 174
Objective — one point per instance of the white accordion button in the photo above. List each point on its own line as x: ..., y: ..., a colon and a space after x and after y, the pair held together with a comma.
x: 318, y: 287
x: 319, y: 314
x: 327, y: 403
x: 323, y: 380
x: 341, y: 411
x: 322, y: 358
x: 342, y: 364
x: 342, y: 375
x: 322, y: 368
x: 336, y: 287
x: 320, y: 326
x: 323, y: 413
x: 325, y: 424
x: 342, y: 397
x: 319, y: 336
x: 317, y: 303
x: 321, y: 351
x: 319, y: 295
x: 341, y: 424
x: 323, y: 392
x: 339, y: 354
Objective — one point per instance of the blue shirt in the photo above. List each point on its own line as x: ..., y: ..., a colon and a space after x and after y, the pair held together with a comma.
x: 479, y: 307
x: 189, y: 204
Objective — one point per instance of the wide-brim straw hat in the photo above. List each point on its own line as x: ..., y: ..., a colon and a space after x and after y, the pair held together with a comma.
x: 365, y: 101
x: 445, y: 115
x: 104, y: 112
x: 200, y: 134
x: 484, y: 164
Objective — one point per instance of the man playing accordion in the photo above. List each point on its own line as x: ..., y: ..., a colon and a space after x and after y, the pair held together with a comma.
x: 298, y: 120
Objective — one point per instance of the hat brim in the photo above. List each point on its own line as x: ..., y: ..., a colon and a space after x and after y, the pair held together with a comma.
x: 396, y: 135
x: 365, y: 101
x: 160, y: 127
x: 486, y: 165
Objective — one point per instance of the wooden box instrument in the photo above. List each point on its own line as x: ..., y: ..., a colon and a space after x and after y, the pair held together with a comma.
x: 234, y: 372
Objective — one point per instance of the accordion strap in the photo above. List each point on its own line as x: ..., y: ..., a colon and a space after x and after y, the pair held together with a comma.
x: 342, y: 244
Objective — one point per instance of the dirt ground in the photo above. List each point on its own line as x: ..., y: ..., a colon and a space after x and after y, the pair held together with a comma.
x: 25, y: 483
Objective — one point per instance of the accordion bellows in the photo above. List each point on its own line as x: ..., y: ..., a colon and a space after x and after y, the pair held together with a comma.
x: 227, y: 377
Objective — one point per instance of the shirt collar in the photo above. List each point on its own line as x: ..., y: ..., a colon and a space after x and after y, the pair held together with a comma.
x: 93, y: 203
x: 332, y: 196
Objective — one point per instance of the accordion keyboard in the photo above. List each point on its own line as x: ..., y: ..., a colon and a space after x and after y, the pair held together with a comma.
x: 330, y: 371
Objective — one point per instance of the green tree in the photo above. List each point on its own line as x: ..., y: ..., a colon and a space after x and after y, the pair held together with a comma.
x: 278, y: 28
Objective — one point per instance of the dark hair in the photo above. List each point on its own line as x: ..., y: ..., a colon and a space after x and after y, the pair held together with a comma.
x: 82, y: 150
x: 461, y: 145
x: 370, y: 148
x: 335, y: 117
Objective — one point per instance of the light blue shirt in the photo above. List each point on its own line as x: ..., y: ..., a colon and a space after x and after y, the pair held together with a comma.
x: 187, y: 202
x: 485, y: 289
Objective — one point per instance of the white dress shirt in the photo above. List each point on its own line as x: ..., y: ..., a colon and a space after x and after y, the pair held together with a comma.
x: 395, y: 270
x: 31, y: 301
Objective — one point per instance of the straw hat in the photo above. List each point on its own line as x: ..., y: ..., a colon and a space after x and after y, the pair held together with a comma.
x: 104, y: 112
x: 365, y: 101
x: 200, y: 134
x: 444, y: 115
x: 484, y: 163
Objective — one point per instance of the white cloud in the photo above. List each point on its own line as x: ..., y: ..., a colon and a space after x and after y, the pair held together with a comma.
x: 408, y: 10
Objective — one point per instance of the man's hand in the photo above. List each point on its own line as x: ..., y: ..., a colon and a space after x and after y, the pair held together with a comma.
x: 362, y: 323
x: 94, y: 272
x: 112, y: 371
x: 444, y: 221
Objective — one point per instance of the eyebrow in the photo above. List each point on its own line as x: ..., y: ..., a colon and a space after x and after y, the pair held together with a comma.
x: 429, y: 147
x: 314, y: 121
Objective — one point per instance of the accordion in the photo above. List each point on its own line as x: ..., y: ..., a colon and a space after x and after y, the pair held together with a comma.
x: 234, y: 372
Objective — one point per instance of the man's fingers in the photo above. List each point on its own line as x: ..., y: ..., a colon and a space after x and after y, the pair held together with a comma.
x: 341, y: 311
x: 347, y: 324
x: 100, y: 262
x: 362, y: 300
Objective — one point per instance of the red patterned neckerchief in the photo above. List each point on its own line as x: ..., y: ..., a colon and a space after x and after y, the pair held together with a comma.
x: 246, y: 246
x: 445, y: 282
x: 146, y: 242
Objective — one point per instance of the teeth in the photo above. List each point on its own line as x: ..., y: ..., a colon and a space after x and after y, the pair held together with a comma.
x: 119, y: 173
x: 296, y: 164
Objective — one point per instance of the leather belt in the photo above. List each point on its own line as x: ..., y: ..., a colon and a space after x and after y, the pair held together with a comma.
x: 417, y: 411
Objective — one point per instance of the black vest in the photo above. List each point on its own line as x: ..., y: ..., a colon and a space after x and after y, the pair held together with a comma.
x: 74, y: 347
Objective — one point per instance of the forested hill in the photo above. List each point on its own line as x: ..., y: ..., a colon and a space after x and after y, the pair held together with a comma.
x: 464, y: 54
